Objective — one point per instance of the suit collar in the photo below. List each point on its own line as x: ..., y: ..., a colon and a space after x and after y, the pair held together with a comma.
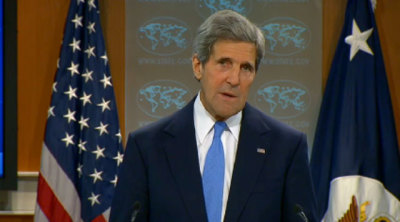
x: 181, y: 151
x: 249, y: 161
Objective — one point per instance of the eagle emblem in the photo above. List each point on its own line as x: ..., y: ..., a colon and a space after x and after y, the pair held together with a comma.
x: 352, y: 214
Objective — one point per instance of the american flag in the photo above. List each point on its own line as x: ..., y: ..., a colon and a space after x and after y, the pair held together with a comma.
x: 82, y: 147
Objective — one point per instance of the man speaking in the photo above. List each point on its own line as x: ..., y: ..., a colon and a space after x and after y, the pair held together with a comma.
x: 218, y: 158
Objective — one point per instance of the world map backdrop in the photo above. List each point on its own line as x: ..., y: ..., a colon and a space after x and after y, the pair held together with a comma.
x: 159, y: 78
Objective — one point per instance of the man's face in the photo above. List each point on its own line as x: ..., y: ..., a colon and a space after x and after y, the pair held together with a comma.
x: 226, y: 77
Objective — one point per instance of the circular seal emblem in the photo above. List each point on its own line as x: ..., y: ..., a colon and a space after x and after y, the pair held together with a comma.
x: 283, y: 99
x: 285, y: 36
x: 162, y: 97
x: 163, y: 36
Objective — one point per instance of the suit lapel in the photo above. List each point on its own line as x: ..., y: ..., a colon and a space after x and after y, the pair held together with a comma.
x: 181, y: 151
x: 249, y: 161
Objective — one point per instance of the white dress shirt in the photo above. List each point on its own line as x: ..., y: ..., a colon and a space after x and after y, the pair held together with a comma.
x: 204, y: 127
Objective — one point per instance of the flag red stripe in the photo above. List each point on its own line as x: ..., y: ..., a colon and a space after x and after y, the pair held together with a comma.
x: 49, y: 203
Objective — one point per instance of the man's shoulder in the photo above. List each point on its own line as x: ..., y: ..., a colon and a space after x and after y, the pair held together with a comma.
x: 256, y: 116
x: 181, y: 116
x: 152, y: 127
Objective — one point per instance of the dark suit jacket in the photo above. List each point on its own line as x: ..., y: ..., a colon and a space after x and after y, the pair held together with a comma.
x: 161, y: 171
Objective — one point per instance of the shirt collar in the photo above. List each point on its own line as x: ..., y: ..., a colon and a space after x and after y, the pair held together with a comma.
x: 204, y: 122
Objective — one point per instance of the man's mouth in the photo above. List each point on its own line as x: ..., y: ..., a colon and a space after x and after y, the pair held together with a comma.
x: 230, y: 95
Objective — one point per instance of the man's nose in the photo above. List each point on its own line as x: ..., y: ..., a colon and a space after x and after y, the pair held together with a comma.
x: 234, y: 76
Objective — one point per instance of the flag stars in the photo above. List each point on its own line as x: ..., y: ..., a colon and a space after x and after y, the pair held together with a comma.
x: 119, y: 136
x: 71, y: 93
x: 55, y: 87
x: 73, y: 68
x: 80, y: 1
x: 96, y: 175
x: 68, y: 139
x: 358, y: 40
x: 102, y: 128
x: 77, y: 21
x: 99, y: 152
x: 50, y: 112
x: 87, y: 75
x: 104, y: 105
x: 79, y: 170
x: 106, y: 81
x: 119, y: 158
x: 90, y: 52
x: 70, y: 116
x: 105, y: 58
x: 83, y: 122
x: 75, y: 45
x: 94, y: 199
x: 91, y: 4
x: 91, y: 28
x: 114, y: 181
x: 373, y: 3
x: 81, y: 146
x: 86, y: 98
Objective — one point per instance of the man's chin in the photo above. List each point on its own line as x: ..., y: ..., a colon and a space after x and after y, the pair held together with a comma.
x: 226, y: 114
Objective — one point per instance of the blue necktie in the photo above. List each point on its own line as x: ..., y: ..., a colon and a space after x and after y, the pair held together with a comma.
x: 213, y: 175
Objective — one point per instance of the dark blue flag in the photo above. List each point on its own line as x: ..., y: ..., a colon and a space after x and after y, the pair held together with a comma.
x: 82, y: 147
x: 355, y: 160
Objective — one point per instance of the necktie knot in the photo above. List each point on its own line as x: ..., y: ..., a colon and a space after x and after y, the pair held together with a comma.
x: 219, y: 128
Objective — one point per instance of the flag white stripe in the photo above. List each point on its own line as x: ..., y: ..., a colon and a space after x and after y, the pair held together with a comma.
x: 39, y: 215
x: 106, y: 214
x: 61, y: 185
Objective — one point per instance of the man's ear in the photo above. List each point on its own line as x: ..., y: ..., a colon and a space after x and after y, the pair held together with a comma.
x: 197, y: 67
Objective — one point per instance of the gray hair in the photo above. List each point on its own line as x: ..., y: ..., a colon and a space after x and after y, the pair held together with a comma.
x: 227, y: 25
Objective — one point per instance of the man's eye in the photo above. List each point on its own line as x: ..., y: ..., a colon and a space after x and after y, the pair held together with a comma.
x: 248, y: 68
x: 223, y: 62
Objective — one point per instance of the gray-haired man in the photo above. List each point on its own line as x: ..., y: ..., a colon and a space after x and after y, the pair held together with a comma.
x: 218, y: 158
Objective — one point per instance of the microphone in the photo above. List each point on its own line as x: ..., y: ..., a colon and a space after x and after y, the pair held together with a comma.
x: 136, y: 209
x: 300, y: 212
